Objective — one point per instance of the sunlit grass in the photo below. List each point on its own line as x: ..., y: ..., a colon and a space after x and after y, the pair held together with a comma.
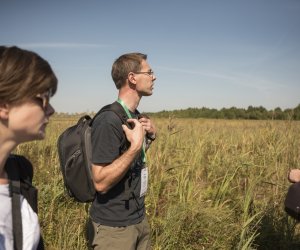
x: 214, y: 184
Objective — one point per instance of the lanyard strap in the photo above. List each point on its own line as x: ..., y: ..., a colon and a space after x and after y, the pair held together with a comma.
x: 124, y: 107
x: 130, y: 116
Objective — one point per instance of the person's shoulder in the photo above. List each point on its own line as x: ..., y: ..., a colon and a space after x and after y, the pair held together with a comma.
x: 107, y: 117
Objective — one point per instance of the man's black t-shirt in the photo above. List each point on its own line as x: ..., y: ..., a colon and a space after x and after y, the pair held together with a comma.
x: 117, y: 207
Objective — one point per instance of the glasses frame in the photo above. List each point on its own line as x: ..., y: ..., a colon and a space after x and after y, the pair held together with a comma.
x: 45, y: 99
x: 149, y: 73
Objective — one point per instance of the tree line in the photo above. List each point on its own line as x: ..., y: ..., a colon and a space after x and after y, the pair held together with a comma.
x: 251, y: 113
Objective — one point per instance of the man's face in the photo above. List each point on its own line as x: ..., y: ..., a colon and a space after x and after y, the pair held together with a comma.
x: 145, y: 79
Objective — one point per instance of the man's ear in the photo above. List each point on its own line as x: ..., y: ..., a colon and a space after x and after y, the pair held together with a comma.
x: 131, y: 78
x: 4, y: 110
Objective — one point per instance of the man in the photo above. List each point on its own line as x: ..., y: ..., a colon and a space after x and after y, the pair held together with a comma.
x: 121, y: 176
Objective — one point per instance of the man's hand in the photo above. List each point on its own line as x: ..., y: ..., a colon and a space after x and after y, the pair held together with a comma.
x: 294, y: 175
x: 148, y: 125
x: 135, y: 135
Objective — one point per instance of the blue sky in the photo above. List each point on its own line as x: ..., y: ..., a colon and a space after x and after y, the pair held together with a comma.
x: 204, y: 53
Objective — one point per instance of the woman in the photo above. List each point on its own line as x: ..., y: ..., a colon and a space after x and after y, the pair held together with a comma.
x: 26, y: 84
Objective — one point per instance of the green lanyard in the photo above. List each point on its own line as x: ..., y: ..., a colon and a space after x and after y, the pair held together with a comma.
x: 130, y: 116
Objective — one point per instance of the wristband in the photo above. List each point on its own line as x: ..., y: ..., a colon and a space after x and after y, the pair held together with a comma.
x: 151, y: 137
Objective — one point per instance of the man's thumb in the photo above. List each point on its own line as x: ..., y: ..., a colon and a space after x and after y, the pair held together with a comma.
x: 125, y: 128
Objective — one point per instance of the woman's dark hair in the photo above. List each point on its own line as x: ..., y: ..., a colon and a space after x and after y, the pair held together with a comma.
x: 23, y: 75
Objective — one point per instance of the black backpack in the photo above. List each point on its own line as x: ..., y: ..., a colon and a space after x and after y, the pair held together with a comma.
x: 20, y: 174
x: 75, y: 154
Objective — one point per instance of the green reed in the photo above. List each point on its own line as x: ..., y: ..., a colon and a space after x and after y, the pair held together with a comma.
x: 214, y: 184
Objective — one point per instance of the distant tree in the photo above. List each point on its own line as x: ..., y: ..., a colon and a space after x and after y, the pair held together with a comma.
x: 288, y: 113
x: 296, y: 115
x: 241, y: 114
x: 278, y: 114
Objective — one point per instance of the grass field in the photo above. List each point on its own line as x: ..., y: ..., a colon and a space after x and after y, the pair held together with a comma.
x: 214, y: 184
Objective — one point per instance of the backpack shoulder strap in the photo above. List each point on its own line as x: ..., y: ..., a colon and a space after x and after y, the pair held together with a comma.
x: 120, y: 112
x: 116, y: 108
x: 12, y: 170
x: 29, y: 192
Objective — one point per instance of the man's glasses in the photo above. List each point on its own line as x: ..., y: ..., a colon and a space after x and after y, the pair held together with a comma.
x: 44, y: 99
x: 149, y: 73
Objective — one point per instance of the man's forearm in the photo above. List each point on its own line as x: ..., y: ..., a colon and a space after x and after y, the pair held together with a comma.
x: 105, y: 177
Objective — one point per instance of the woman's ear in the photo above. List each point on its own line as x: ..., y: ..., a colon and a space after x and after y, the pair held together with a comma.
x: 4, y: 110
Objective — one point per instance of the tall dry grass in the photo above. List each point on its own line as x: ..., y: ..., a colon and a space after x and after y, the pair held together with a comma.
x: 214, y: 184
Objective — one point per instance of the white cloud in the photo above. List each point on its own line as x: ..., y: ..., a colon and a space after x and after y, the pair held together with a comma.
x: 260, y: 83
